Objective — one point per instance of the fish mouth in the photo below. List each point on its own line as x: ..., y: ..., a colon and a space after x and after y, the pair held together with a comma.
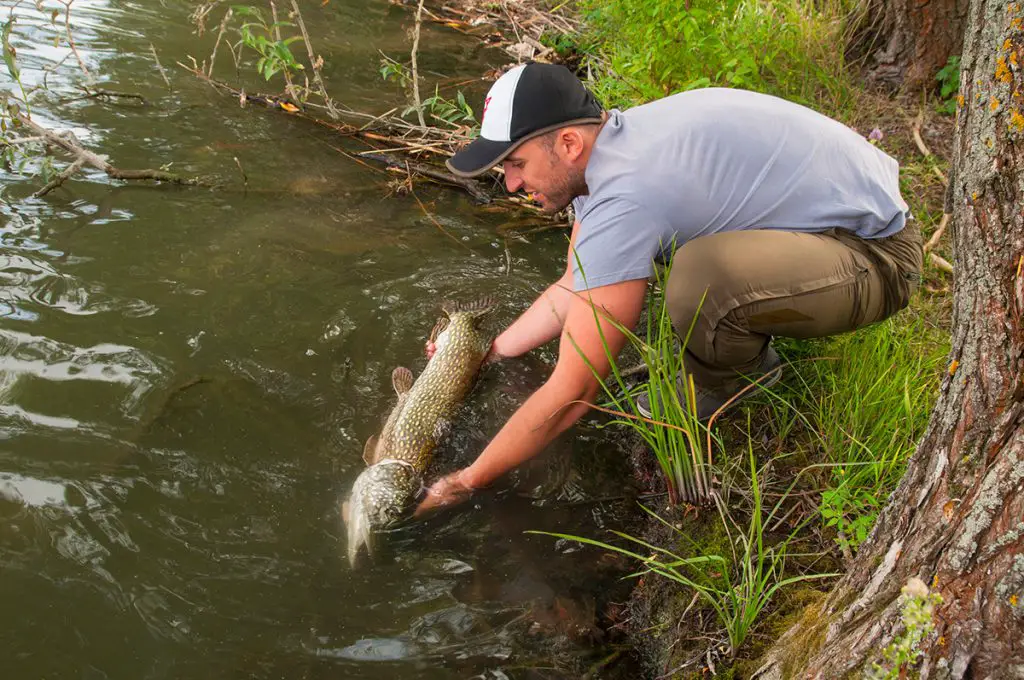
x: 382, y: 501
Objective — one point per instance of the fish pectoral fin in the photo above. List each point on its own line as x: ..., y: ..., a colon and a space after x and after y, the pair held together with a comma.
x: 370, y: 450
x: 401, y: 380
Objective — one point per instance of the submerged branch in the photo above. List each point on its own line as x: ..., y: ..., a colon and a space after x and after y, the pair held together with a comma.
x: 84, y: 157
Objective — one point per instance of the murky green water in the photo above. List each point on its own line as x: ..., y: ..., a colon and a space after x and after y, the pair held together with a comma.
x: 187, y: 377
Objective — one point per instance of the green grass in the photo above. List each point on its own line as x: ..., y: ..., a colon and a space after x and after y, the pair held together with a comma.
x: 737, y: 586
x: 641, y: 50
x: 868, y: 398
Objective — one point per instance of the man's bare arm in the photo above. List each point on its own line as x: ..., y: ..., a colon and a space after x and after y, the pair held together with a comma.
x: 544, y: 319
x: 563, y: 399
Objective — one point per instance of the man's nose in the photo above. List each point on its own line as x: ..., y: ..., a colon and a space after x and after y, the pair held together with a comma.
x: 513, y: 182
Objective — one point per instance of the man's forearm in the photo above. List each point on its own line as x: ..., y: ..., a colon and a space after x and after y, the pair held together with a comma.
x: 548, y: 412
x: 539, y: 324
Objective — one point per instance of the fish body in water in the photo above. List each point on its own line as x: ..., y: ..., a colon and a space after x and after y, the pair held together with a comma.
x: 398, y: 457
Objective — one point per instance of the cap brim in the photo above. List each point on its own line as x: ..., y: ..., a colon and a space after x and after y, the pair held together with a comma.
x: 483, y: 154
x: 480, y: 156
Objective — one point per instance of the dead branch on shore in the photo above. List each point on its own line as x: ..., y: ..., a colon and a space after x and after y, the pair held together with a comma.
x: 934, y: 240
x: 492, y: 21
x: 417, y: 102
x: 940, y: 262
x: 82, y: 157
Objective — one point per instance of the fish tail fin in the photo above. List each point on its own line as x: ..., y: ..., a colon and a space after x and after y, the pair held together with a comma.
x: 477, y: 307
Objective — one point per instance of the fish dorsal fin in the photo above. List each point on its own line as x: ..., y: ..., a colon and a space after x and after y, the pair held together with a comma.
x: 477, y: 308
x: 370, y: 450
x: 401, y: 380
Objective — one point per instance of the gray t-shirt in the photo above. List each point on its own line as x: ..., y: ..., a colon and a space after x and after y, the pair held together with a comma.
x: 712, y: 160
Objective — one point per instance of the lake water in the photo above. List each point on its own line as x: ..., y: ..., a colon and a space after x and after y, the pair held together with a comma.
x: 187, y: 377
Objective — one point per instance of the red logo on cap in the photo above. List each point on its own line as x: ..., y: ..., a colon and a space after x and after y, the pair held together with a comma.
x: 487, y: 102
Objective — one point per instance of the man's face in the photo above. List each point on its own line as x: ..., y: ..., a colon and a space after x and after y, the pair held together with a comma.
x: 541, y: 168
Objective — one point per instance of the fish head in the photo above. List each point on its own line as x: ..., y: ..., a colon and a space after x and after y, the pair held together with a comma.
x: 381, y: 497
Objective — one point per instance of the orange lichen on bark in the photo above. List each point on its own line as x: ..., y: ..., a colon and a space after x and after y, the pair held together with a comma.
x: 1016, y: 122
x: 1003, y: 71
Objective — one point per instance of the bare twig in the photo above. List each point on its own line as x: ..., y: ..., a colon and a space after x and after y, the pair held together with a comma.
x: 315, y: 62
x: 289, y: 86
x: 159, y: 66
x: 436, y: 223
x: 415, y: 70
x: 922, y: 147
x: 941, y: 263
x: 245, y: 178
x: 71, y: 40
x: 220, y: 34
x: 934, y: 240
x: 61, y: 178
x: 104, y: 94
x: 472, y: 187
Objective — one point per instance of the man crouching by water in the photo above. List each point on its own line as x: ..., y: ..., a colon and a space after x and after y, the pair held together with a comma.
x: 790, y: 221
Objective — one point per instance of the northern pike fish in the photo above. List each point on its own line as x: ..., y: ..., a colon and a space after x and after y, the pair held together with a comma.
x: 398, y: 457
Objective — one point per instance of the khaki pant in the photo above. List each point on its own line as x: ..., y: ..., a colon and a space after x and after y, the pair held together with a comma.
x: 762, y: 283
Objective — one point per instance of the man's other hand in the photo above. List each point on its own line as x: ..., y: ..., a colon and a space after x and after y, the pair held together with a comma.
x: 449, y: 490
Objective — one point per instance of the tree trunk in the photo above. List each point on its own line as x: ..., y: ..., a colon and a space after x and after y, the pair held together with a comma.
x: 957, y: 519
x: 906, y: 42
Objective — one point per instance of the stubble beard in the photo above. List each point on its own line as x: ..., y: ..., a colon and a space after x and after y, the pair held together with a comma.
x: 564, y: 188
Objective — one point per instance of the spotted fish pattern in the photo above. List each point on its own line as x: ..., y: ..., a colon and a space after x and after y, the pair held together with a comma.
x: 397, y: 458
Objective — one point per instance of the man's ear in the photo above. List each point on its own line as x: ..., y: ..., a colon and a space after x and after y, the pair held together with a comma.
x: 571, y: 143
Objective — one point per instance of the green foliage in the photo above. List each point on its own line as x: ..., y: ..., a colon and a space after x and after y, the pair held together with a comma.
x: 738, y: 586
x: 456, y: 113
x: 949, y: 85
x: 11, y: 62
x: 275, y: 55
x: 653, y: 48
x: 392, y: 70
x: 869, y: 398
x: 917, y: 609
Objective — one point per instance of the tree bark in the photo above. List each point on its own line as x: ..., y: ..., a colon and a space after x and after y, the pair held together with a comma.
x: 906, y: 42
x: 956, y: 520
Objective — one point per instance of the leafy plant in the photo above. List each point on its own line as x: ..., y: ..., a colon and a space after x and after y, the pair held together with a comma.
x: 917, y: 611
x: 11, y: 62
x: 275, y: 55
x: 738, y: 587
x: 949, y: 85
x: 392, y: 70
x: 455, y: 112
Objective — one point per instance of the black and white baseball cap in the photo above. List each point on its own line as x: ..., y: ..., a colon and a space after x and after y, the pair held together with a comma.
x: 527, y: 101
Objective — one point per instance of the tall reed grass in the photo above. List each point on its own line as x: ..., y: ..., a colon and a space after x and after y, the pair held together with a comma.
x: 679, y: 441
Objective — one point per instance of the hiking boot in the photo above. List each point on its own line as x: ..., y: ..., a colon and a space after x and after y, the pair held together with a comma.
x: 710, y: 401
